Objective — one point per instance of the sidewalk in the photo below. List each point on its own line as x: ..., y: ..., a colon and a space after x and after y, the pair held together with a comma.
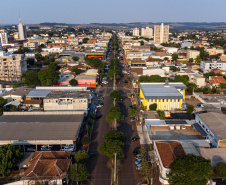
x: 144, y: 138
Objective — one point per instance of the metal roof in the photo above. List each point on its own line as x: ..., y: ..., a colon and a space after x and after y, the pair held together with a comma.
x: 38, y: 93
x: 160, y: 91
x: 215, y: 122
x: 39, y: 127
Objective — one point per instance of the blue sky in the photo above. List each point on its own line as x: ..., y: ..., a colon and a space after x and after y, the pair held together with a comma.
x: 114, y: 11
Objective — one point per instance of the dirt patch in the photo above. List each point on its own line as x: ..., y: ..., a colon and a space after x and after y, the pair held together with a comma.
x: 193, y: 101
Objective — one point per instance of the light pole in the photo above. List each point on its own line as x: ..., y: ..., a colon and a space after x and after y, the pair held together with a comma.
x: 114, y: 102
x: 115, y: 125
x: 115, y: 169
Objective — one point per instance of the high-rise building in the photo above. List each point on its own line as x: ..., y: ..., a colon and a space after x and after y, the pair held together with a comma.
x: 2, y: 53
x: 148, y: 32
x: 3, y: 37
x: 22, y: 30
x: 12, y: 67
x: 136, y: 32
x: 161, y: 34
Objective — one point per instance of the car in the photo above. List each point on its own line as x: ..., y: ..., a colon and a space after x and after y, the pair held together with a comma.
x: 138, y: 161
x: 92, y: 155
x: 135, y: 138
x: 183, y: 127
x: 125, y: 81
x: 105, y: 78
x: 46, y: 148
x: 136, y: 150
x: 132, y: 119
x: 138, y: 167
x: 106, y: 73
x: 67, y: 148
x: 138, y: 156
x: 98, y: 116
x: 31, y: 149
x: 101, y: 98
x: 105, y: 82
x: 199, y: 104
x: 99, y: 105
x: 130, y: 106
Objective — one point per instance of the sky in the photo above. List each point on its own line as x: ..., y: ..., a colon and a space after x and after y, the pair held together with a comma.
x: 114, y: 11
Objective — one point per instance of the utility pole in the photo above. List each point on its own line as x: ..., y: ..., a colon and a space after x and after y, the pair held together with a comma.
x: 114, y: 102
x: 114, y: 80
x: 115, y: 169
x: 115, y: 125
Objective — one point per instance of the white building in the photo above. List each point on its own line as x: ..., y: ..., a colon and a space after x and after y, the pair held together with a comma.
x: 171, y: 50
x: 3, y: 37
x: 31, y: 45
x: 207, y: 66
x: 148, y: 32
x: 53, y: 50
x: 22, y: 31
x: 2, y: 53
x: 192, y: 54
x: 136, y: 32
x: 161, y: 33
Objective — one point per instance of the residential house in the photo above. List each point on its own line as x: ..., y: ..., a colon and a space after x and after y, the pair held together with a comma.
x: 207, y: 66
x: 215, y: 81
x: 16, y: 94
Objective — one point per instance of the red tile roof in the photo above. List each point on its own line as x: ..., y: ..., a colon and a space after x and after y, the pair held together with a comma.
x: 216, y: 79
x: 48, y: 163
x: 32, y: 102
x: 168, y: 151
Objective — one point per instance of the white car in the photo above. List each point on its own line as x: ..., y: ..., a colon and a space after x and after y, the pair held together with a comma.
x: 138, y: 167
x: 138, y: 161
x: 31, y: 149
x: 46, y: 148
x: 105, y: 82
x: 67, y: 148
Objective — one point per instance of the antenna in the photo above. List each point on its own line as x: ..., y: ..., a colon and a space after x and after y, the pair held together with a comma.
x: 19, y: 16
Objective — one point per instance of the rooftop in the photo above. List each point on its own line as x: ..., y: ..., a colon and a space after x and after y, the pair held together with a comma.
x: 68, y: 94
x: 216, y: 79
x: 168, y: 151
x: 215, y: 122
x: 38, y: 93
x: 160, y: 91
x: 20, y: 91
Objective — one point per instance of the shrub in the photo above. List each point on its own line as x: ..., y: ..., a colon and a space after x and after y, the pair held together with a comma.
x: 220, y: 170
x: 153, y: 106
x: 190, y: 109
x: 86, y: 140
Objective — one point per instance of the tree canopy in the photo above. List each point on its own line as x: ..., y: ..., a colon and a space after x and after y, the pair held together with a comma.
x: 77, y: 70
x: 115, y: 94
x: 190, y: 169
x: 153, y: 106
x: 190, y: 109
x: 73, y: 82
x: 81, y: 156
x: 78, y: 172
x: 114, y: 113
x: 75, y: 58
x: 220, y: 170
x: 114, y: 135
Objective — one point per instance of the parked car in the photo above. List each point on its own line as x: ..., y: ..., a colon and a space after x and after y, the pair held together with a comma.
x: 92, y: 155
x: 135, y: 138
x: 31, y: 149
x: 125, y: 81
x: 46, y: 148
x: 98, y: 116
x: 138, y: 161
x: 67, y: 148
x: 101, y: 98
x: 136, y: 150
x: 138, y: 156
x: 132, y: 119
x: 105, y: 82
x: 105, y: 78
x: 130, y: 106
x: 99, y: 105
x: 138, y: 167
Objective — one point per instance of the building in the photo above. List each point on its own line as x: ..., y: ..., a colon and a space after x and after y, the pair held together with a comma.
x: 192, y: 54
x: 136, y: 32
x: 3, y: 37
x: 197, y: 79
x: 165, y: 152
x: 186, y: 44
x: 161, y: 34
x: 215, y: 51
x: 67, y: 101
x: 89, y: 81
x: 16, y: 94
x: 99, y: 55
x: 148, y: 32
x: 41, y: 128
x: 31, y: 45
x: 223, y: 57
x: 215, y: 81
x: 213, y: 125
x: 22, y: 30
x: 167, y: 96
x: 207, y: 66
x: 2, y: 53
x: 12, y: 67
x: 48, y: 166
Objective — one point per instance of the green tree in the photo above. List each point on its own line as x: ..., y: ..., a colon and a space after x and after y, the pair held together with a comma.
x: 114, y: 135
x: 85, y: 40
x: 182, y: 78
x: 39, y: 50
x: 78, y: 172
x: 111, y: 116
x: 198, y: 59
x: 30, y: 61
x: 73, y: 82
x: 166, y: 58
x: 115, y: 94
x: 75, y: 58
x: 153, y: 106
x: 31, y: 78
x: 110, y: 147
x: 220, y: 170
x: 190, y: 169
x: 132, y: 112
x: 77, y: 70
x: 81, y: 156
x: 86, y: 140
x: 174, y: 57
x: 141, y: 42
x: 161, y: 114
x: 43, y: 77
x: 2, y: 101
x: 190, y: 60
x: 38, y: 57
x: 223, y: 85
x: 190, y: 109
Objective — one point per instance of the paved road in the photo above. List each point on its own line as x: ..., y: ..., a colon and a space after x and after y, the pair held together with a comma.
x: 97, y: 166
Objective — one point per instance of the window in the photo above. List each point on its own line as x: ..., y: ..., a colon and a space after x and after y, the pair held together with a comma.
x: 81, y: 100
x: 162, y: 100
x: 84, y: 101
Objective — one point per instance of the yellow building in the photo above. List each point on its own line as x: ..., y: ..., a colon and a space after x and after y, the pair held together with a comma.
x: 167, y: 96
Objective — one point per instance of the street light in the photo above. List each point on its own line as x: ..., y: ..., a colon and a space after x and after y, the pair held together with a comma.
x: 114, y: 102
x: 115, y: 168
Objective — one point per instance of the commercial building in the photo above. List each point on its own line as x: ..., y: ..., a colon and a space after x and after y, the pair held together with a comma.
x: 89, y: 81
x: 161, y: 33
x: 31, y: 45
x: 213, y: 126
x: 207, y: 66
x: 22, y: 30
x: 215, y: 51
x: 67, y: 101
x: 136, y: 32
x: 192, y: 54
x: 167, y: 96
x: 3, y: 37
x: 12, y: 67
x: 16, y: 94
x: 197, y: 79
x: 40, y: 128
